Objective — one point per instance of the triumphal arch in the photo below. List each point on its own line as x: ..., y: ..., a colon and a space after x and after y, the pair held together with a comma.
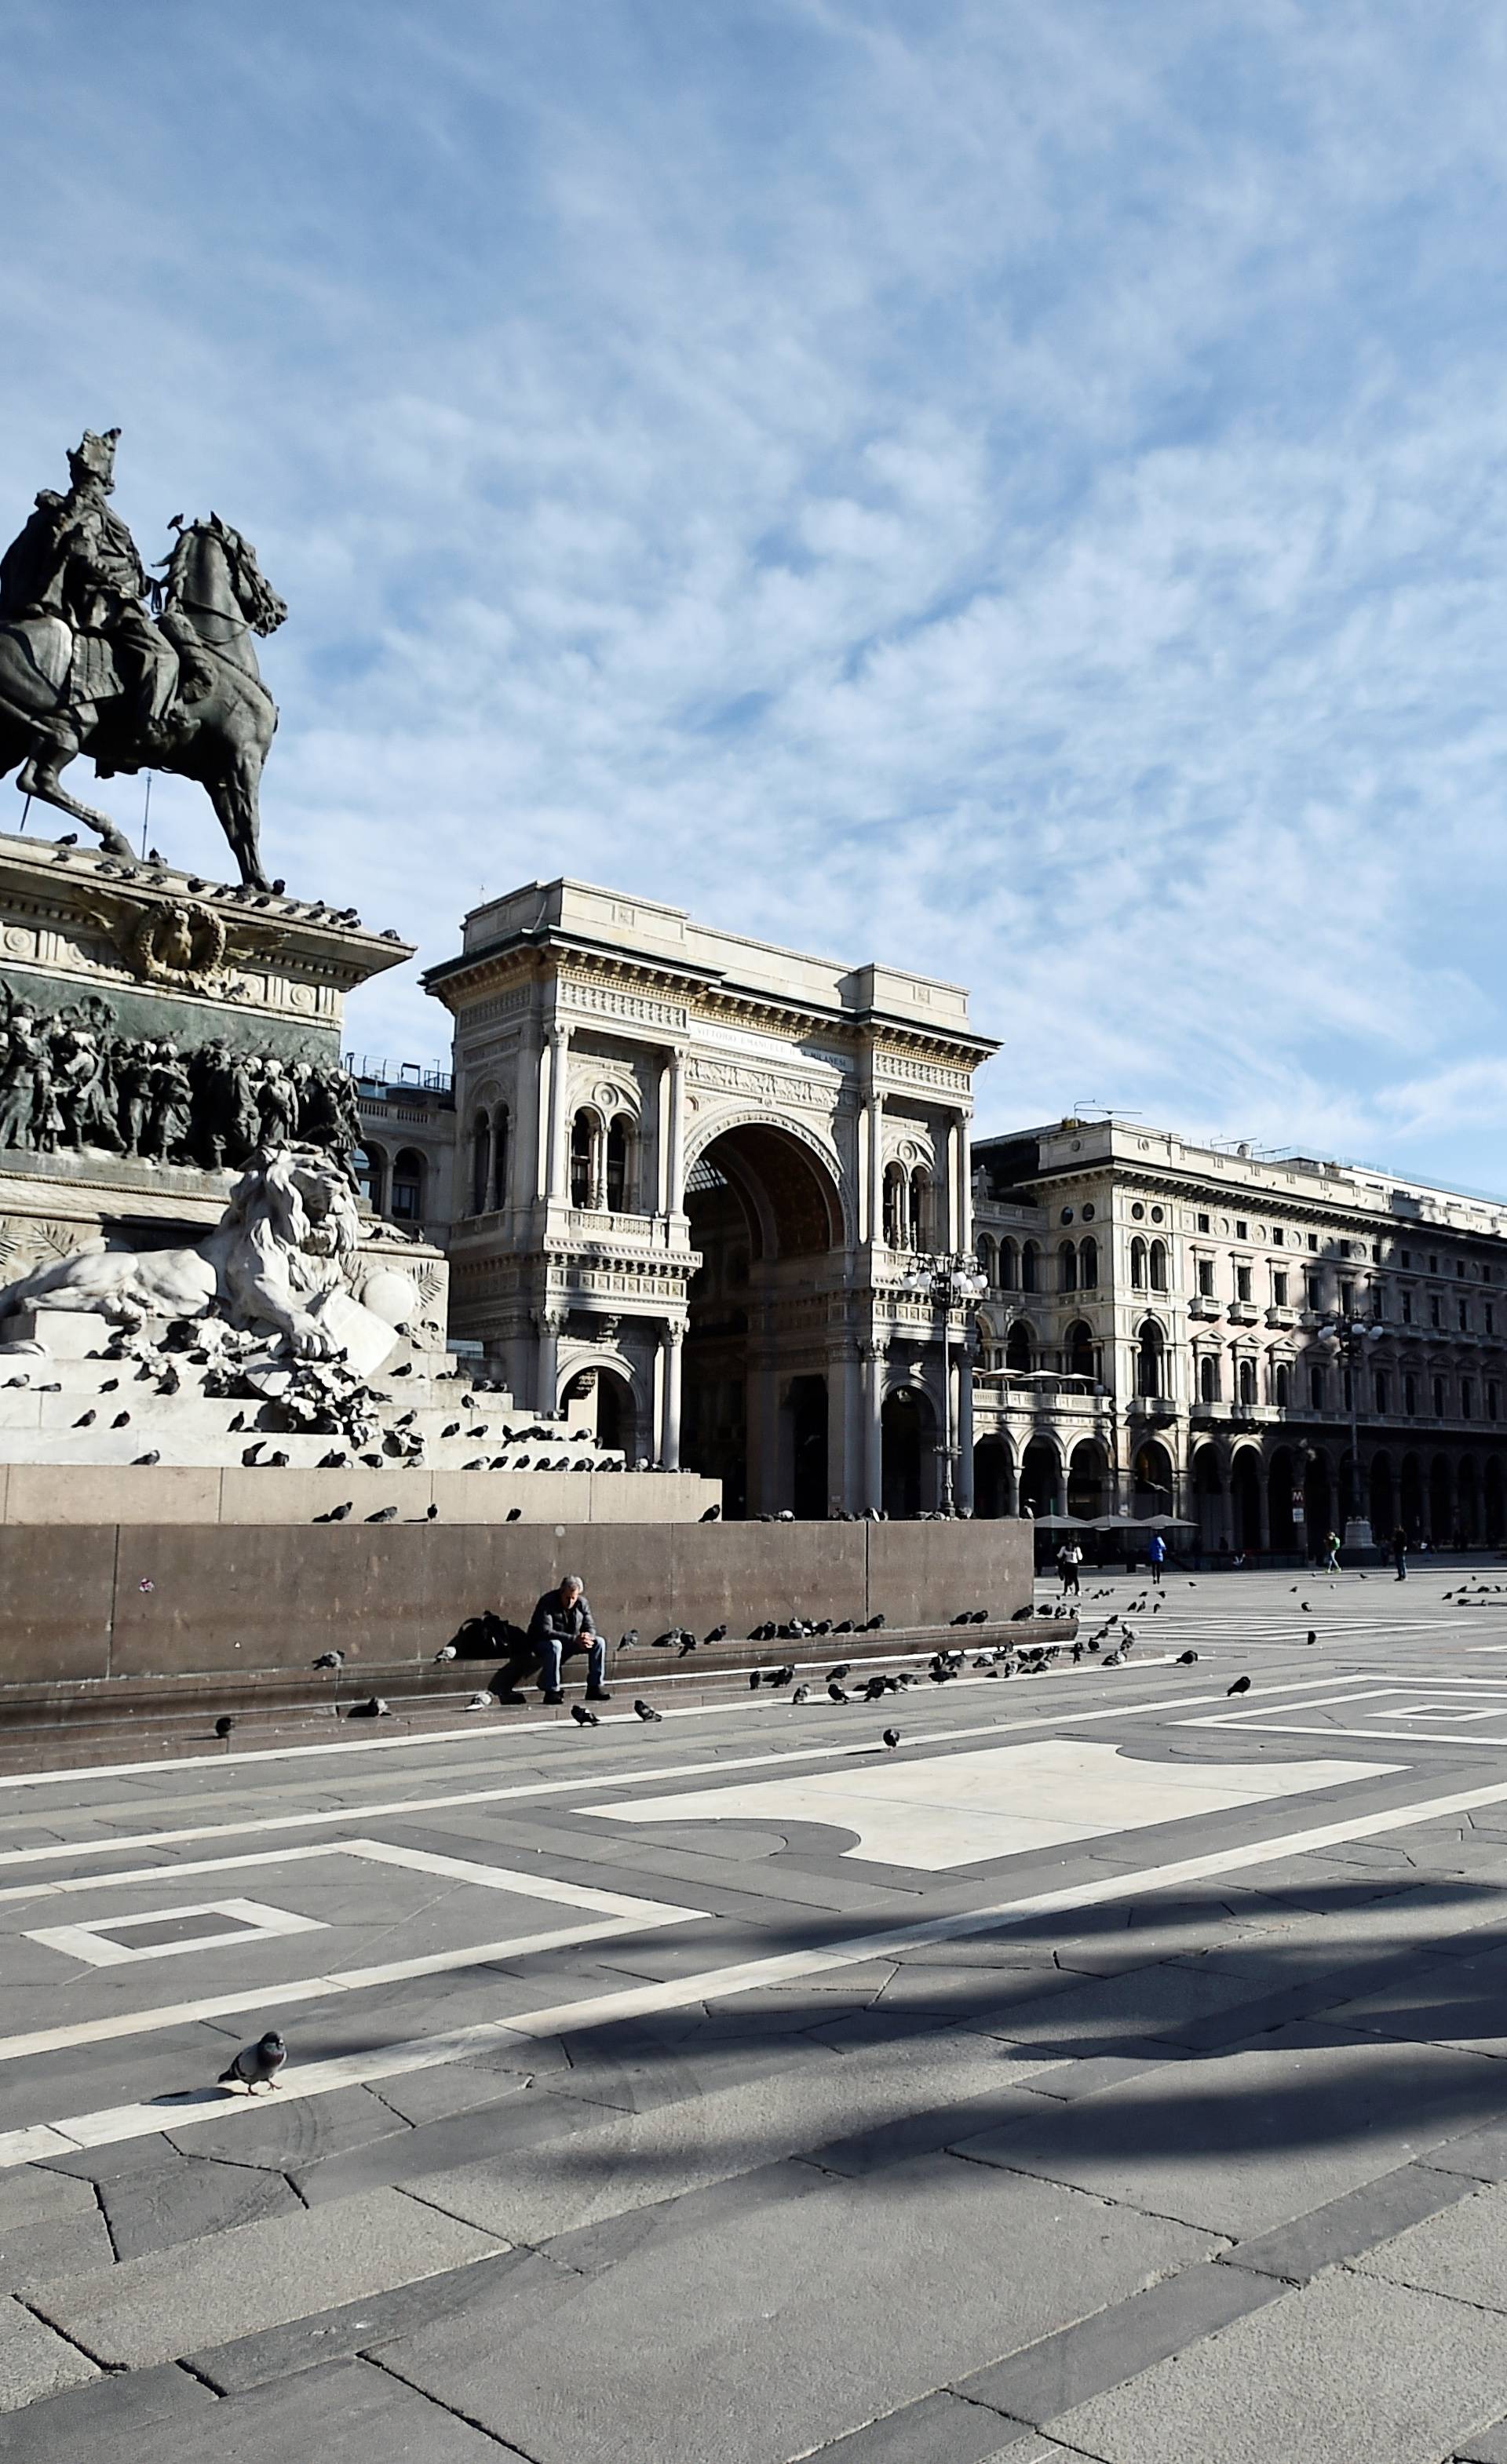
x: 695, y: 1173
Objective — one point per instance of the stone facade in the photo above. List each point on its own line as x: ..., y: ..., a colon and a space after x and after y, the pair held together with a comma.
x: 690, y: 1171
x: 1174, y: 1328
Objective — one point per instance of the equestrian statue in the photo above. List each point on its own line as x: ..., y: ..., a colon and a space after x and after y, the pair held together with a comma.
x: 86, y: 666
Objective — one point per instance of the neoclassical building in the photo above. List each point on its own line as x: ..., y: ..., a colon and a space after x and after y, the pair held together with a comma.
x: 691, y: 1172
x: 1273, y: 1345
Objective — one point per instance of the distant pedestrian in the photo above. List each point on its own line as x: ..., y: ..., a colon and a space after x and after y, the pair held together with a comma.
x: 1400, y: 1554
x: 1332, y: 1554
x: 1070, y: 1558
x: 1156, y: 1557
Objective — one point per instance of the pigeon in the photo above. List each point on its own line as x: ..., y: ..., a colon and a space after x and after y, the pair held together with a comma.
x: 647, y: 1711
x: 256, y: 2065
x: 376, y: 1708
x: 835, y: 1694
x: 431, y: 1514
x: 583, y: 1718
x: 1114, y: 1660
x: 1186, y: 1659
x: 1312, y: 1634
x: 513, y: 1514
x: 406, y: 1371
x: 337, y: 1513
x: 446, y: 1651
x: 717, y: 1634
x: 153, y: 1458
x: 627, y: 1641
x: 1306, y: 1604
x: 892, y: 1738
x: 384, y: 1514
x: 874, y: 1689
x: 330, y: 1660
x: 755, y: 1680
x: 275, y: 1462
x: 249, y: 1454
x: 451, y: 1430
x: 845, y: 1626
x: 802, y: 1694
x: 85, y: 1421
x: 713, y: 1514
x: 224, y: 1724
x: 120, y: 1420
x: 779, y: 1675
x: 1241, y: 1685
x: 688, y: 1644
x: 836, y: 1676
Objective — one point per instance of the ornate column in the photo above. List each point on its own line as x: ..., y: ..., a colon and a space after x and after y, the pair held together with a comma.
x: 873, y: 1350
x: 550, y: 1324
x: 873, y: 1116
x: 671, y: 1342
x: 559, y: 1058
x: 675, y: 1135
x: 962, y: 1188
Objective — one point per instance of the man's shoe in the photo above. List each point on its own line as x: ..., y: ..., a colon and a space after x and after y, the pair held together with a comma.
x: 598, y: 1694
x: 512, y: 1696
x: 554, y: 1698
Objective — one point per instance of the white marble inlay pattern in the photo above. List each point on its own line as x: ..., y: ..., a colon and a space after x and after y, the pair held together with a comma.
x: 949, y: 1810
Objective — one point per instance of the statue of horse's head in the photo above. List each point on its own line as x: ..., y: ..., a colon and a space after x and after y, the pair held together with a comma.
x: 209, y: 558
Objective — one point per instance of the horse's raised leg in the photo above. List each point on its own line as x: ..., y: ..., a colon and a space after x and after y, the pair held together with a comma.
x: 39, y: 777
x: 234, y: 794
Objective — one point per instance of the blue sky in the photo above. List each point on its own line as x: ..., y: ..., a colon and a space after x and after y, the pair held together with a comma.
x: 1017, y: 491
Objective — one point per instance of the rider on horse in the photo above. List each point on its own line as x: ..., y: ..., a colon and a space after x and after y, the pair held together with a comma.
x: 76, y: 560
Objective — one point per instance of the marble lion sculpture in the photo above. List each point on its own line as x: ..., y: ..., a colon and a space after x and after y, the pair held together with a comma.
x: 281, y: 1251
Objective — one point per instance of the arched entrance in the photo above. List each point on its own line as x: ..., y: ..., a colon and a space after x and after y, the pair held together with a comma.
x: 1280, y: 1527
x: 1384, y: 1506
x: 1151, y: 1479
x: 1207, y: 1501
x: 1245, y: 1500
x: 1040, y: 1478
x: 759, y: 1411
x: 616, y: 1417
x: 1318, y: 1504
x: 1441, y: 1503
x: 1411, y: 1506
x: 993, y: 1481
x: 909, y: 1429
x: 1494, y: 1491
x: 1086, y: 1479
x: 1468, y: 1511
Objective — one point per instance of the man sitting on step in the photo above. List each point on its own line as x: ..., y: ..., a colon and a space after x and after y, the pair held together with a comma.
x: 561, y: 1626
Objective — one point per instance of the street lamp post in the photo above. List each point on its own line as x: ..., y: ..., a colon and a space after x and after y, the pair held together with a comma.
x: 1347, y: 1338
x: 947, y: 1283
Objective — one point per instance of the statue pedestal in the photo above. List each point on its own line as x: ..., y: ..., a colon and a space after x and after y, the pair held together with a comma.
x: 153, y: 1026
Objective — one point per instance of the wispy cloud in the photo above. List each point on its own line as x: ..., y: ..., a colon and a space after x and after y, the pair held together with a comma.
x: 1016, y: 491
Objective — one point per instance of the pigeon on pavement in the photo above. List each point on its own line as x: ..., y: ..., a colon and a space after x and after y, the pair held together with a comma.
x: 647, y: 1711
x: 330, y: 1660
x: 256, y: 2065
x: 835, y: 1694
x: 1186, y: 1659
x: 583, y: 1718
x: 892, y: 1738
x: 224, y: 1724
x: 1241, y: 1685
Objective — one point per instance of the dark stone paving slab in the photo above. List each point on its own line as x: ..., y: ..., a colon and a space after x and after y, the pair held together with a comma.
x: 511, y: 2288
x: 1347, y: 2226
x: 102, y: 2420
x: 290, y: 2133
x: 1261, y: 2135
x: 156, y: 2209
x: 942, y: 2428
x: 1484, y: 2446
x: 774, y: 2354
x: 344, y: 2412
x: 468, y: 2138
x: 1120, y: 2342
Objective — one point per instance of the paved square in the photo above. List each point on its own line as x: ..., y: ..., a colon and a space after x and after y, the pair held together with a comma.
x: 1114, y: 2070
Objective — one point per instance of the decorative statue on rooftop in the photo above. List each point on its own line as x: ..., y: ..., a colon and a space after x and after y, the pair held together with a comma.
x: 84, y: 667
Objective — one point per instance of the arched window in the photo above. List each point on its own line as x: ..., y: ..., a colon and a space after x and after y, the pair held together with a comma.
x: 1137, y: 1264
x: 1208, y: 1378
x: 582, y: 1159
x: 1438, y: 1399
x: 1150, y: 1358
x: 1316, y: 1386
x: 1159, y: 1266
x: 1017, y: 1348
x: 619, y: 1147
x: 480, y: 1163
x: 1282, y: 1386
x: 499, y: 1156
x: 1245, y: 1376
x: 988, y: 1261
x: 407, y: 1187
x: 1077, y: 1349
x: 920, y: 1209
x: 371, y: 1172
x: 1381, y: 1389
x: 1009, y: 1266
x: 1029, y: 1257
x: 896, y: 1218
x: 1067, y: 1267
x: 1088, y: 1263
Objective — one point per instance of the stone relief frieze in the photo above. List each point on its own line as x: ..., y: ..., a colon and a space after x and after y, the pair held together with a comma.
x: 765, y: 1086
x: 605, y: 1001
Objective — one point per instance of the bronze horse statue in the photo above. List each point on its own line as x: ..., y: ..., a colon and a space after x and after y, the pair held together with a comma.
x: 217, y: 729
